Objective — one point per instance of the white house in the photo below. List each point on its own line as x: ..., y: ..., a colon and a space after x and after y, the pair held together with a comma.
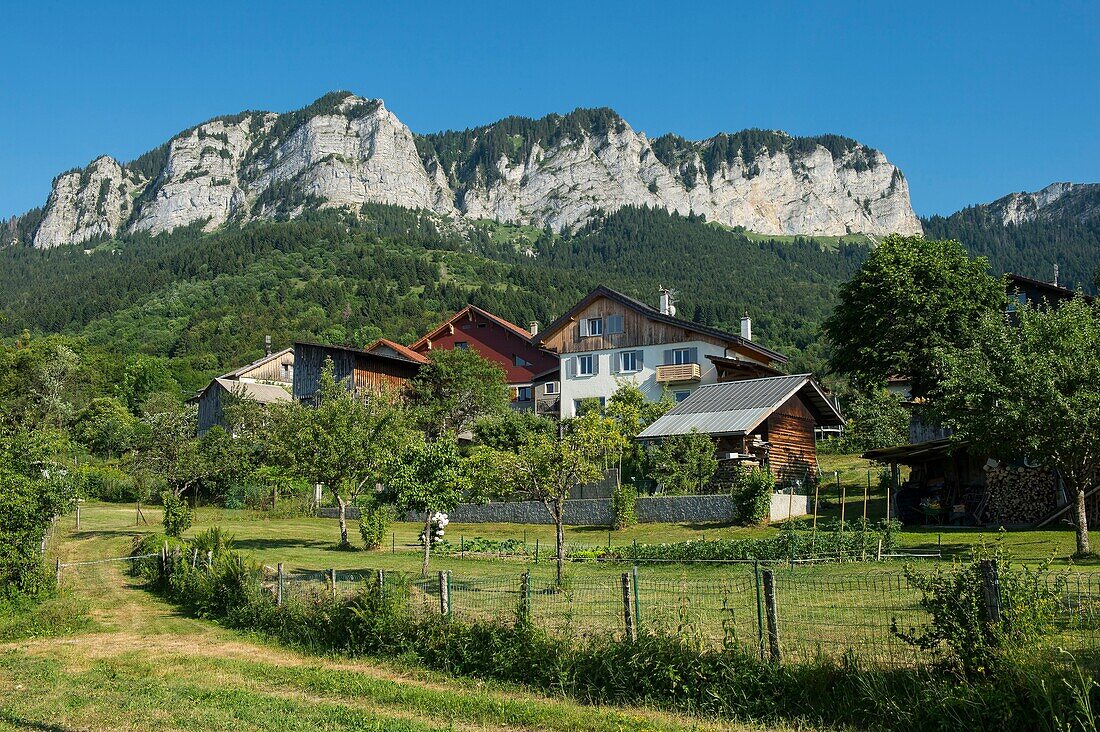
x: 609, y: 338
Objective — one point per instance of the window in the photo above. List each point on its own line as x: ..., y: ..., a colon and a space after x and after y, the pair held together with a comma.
x: 524, y: 394
x: 462, y: 345
x: 520, y: 360
x: 614, y: 324
x: 581, y: 406
x: 586, y: 365
x: 681, y: 395
x: 550, y: 388
x: 288, y: 371
x: 595, y: 326
x: 681, y: 356
x: 629, y: 361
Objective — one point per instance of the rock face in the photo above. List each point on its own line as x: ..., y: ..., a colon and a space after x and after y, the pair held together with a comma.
x: 1078, y: 202
x: 345, y: 151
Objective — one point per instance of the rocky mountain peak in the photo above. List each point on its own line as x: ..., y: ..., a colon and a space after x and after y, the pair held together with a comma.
x: 344, y: 151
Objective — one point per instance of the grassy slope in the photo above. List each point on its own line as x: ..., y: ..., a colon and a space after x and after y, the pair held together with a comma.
x: 135, y: 663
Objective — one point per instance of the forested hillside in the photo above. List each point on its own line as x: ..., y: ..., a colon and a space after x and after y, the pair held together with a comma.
x: 205, y: 301
x: 1030, y: 248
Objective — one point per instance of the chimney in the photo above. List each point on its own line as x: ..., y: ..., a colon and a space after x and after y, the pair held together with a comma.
x: 746, y: 327
x: 1055, y: 275
x: 267, y: 345
x: 534, y: 328
x: 666, y: 301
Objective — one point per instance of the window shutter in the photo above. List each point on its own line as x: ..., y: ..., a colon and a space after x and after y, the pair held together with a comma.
x: 614, y: 324
x: 582, y: 327
x: 668, y: 358
x: 571, y: 366
x: 693, y: 355
x: 640, y: 363
x: 595, y: 363
x: 616, y: 362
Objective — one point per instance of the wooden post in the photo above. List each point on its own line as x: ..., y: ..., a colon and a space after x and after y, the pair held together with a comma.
x: 444, y: 595
x: 536, y: 550
x: 194, y: 557
x: 991, y: 588
x: 866, y: 497
x: 790, y: 505
x: 380, y: 580
x: 843, y: 493
x: 879, y: 557
x: 332, y: 577
x: 393, y: 543
x: 817, y: 491
x: 279, y: 586
x: 628, y: 615
x: 773, y: 620
x: 78, y: 517
x: 209, y: 559
x: 57, y: 572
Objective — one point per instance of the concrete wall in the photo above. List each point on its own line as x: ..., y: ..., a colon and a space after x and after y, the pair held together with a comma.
x: 597, y: 511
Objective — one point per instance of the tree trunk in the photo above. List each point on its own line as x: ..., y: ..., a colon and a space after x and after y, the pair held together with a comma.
x: 344, y: 543
x: 559, y: 528
x: 427, y: 542
x: 1082, y: 521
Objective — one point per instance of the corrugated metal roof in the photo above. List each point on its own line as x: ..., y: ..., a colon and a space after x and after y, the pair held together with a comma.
x: 262, y: 393
x: 730, y: 408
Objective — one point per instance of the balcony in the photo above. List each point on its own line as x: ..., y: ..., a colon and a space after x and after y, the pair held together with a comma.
x: 680, y: 373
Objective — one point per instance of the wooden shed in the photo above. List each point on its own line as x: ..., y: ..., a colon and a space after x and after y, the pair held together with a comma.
x: 213, y: 398
x: 365, y: 371
x: 768, y: 421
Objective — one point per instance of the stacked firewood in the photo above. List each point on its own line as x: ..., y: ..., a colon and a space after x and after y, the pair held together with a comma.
x: 1020, y: 495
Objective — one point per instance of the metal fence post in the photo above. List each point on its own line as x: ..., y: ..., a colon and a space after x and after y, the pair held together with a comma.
x: 759, y: 609
x: 991, y: 588
x: 637, y: 607
x: 628, y: 615
x: 525, y: 597
x: 773, y: 620
x: 444, y: 595
x: 279, y: 586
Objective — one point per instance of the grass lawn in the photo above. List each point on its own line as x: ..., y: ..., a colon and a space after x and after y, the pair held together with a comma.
x: 126, y: 660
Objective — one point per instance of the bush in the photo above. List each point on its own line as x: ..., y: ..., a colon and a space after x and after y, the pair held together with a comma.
x: 375, y: 520
x: 177, y: 516
x: 962, y: 637
x: 624, y: 499
x: 752, y: 496
x: 107, y: 483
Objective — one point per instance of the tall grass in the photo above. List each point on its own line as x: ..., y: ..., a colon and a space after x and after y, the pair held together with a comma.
x: 658, y: 669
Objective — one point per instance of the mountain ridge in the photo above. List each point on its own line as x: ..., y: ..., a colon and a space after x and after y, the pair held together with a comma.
x: 344, y: 151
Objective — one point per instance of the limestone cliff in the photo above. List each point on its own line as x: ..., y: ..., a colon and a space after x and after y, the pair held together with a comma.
x: 345, y: 151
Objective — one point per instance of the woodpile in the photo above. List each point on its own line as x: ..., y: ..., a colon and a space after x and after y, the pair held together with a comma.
x: 1019, y: 496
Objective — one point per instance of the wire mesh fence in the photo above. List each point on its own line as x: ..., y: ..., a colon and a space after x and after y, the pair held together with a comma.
x: 815, y: 616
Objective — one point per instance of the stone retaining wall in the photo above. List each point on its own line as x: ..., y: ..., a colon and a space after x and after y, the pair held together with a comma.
x: 597, y: 511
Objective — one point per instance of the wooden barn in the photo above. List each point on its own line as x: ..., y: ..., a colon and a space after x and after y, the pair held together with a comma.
x: 213, y: 399
x: 768, y: 421
x: 275, y: 370
x: 365, y: 370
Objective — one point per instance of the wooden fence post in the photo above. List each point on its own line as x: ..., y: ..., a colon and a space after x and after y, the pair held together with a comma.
x: 991, y: 588
x: 879, y: 557
x: 332, y: 577
x: 628, y: 614
x: 78, y: 517
x: 380, y: 580
x: 279, y: 586
x: 194, y: 557
x: 773, y: 620
x: 444, y: 595
x: 209, y: 559
x: 57, y: 572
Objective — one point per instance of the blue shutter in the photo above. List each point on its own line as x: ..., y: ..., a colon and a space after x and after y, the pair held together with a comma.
x: 693, y: 355
x: 640, y: 362
x: 668, y: 358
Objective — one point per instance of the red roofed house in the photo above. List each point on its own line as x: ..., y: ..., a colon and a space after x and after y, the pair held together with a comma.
x: 527, y: 366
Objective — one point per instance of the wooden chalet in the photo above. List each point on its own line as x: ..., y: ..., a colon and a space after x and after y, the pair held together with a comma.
x: 530, y: 370
x: 608, y: 338
x: 364, y: 370
x: 768, y: 422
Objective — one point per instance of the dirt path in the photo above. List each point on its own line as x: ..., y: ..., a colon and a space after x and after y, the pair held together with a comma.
x: 143, y: 664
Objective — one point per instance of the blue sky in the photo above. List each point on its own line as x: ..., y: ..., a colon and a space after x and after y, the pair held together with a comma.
x: 971, y: 100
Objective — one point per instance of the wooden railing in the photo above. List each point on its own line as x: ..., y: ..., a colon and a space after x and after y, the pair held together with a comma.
x: 680, y: 372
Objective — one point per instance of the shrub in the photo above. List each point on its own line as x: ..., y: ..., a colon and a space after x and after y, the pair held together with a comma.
x: 375, y: 520
x: 107, y: 483
x: 962, y: 637
x: 752, y: 496
x: 177, y: 516
x: 624, y: 499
